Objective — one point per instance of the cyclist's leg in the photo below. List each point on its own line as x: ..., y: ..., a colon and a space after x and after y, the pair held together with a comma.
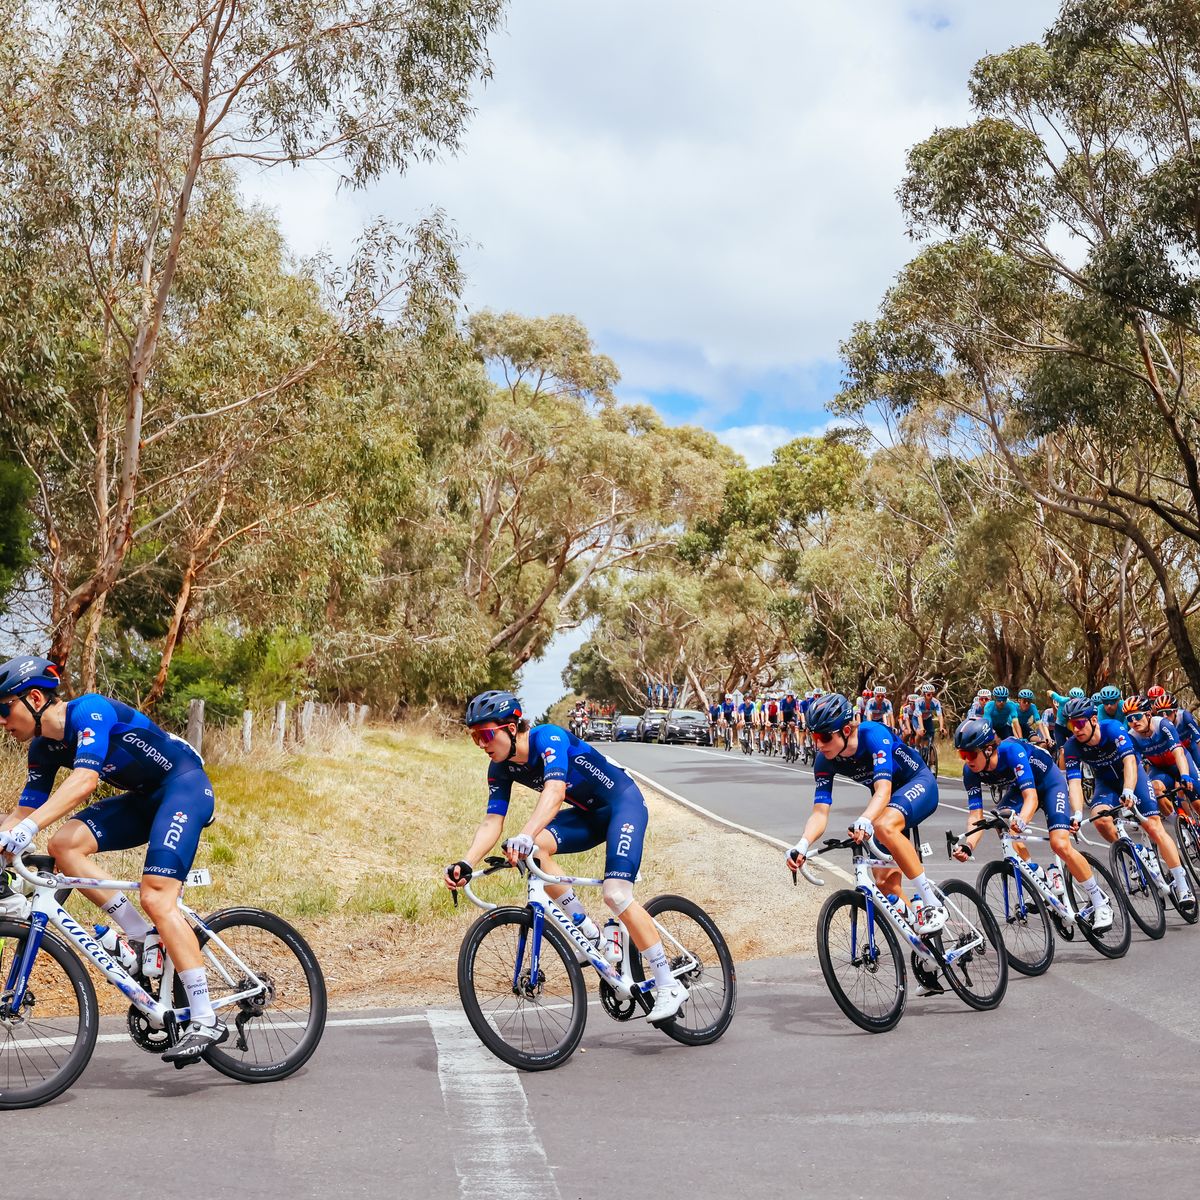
x: 911, y: 805
x: 116, y: 823
x: 1147, y: 805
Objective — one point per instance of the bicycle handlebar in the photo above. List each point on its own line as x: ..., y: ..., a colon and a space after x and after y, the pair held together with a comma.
x: 16, y: 864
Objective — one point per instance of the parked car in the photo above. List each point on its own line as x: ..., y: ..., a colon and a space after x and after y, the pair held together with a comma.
x: 626, y: 728
x: 600, y: 729
x: 685, y: 725
x: 650, y: 723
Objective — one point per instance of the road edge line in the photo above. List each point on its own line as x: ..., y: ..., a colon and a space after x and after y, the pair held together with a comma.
x: 831, y: 867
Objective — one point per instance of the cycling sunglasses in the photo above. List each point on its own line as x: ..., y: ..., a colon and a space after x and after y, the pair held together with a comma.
x: 483, y: 737
x: 822, y: 738
x: 1080, y: 722
x: 6, y: 706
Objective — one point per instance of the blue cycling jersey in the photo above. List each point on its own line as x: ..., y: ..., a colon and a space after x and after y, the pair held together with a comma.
x: 123, y: 746
x: 747, y: 709
x: 1188, y: 729
x: 876, y: 710
x: 1027, y: 719
x: 727, y: 708
x: 1106, y: 757
x: 1060, y: 709
x: 1158, y: 749
x: 1001, y: 716
x: 879, y: 756
x: 789, y: 707
x: 593, y: 781
x: 804, y: 704
x: 714, y: 711
x: 1018, y: 766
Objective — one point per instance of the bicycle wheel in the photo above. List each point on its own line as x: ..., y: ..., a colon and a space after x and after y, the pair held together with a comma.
x: 980, y: 976
x: 691, y: 939
x: 1114, y: 941
x: 273, y: 1033
x: 866, y: 976
x: 933, y: 756
x: 45, y: 1046
x: 527, y: 1024
x: 1192, y: 914
x: 1021, y: 916
x: 1138, y: 891
x: 1184, y: 833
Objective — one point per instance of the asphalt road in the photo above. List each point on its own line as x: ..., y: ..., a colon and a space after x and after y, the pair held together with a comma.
x: 1082, y: 1084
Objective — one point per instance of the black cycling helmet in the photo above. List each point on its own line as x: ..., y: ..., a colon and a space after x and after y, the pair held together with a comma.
x: 974, y: 734
x: 20, y: 675
x: 1079, y: 707
x: 829, y: 713
x: 500, y: 707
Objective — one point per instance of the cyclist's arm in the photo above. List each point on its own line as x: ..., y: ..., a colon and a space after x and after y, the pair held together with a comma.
x: 816, y: 824
x: 550, y: 800
x: 486, y: 837
x: 17, y: 815
x: 75, y: 789
x: 880, y: 799
x: 1029, y: 804
x: 1181, y: 761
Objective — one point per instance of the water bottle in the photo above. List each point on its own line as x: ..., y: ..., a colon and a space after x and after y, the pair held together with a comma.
x: 612, y: 940
x: 152, y: 956
x: 116, y: 947
x: 917, y: 905
x: 1055, y: 879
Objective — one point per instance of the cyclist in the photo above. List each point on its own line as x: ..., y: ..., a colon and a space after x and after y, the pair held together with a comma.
x: 1120, y: 781
x: 166, y: 802
x: 1185, y: 724
x: 1060, y: 731
x: 772, y: 721
x: 789, y: 712
x: 860, y: 705
x: 879, y: 708
x: 728, y: 713
x: 1032, y: 727
x: 714, y: 721
x: 1030, y: 778
x: 1001, y: 713
x: 1156, y: 739
x: 745, y: 717
x: 1108, y: 704
x: 903, y: 794
x: 979, y: 703
x: 907, y: 720
x: 606, y: 806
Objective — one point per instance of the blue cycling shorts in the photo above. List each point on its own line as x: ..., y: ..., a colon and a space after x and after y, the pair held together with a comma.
x: 1110, y: 796
x: 620, y: 824
x: 917, y: 799
x: 167, y: 821
x: 1054, y: 801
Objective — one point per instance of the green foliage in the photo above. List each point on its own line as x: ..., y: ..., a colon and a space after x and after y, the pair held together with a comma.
x: 17, y: 487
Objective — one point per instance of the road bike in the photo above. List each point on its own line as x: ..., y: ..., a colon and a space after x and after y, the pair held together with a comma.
x: 728, y: 736
x: 263, y: 977
x: 861, y: 956
x: 791, y: 751
x: 745, y: 738
x: 520, y: 972
x: 1028, y: 908
x: 1139, y: 873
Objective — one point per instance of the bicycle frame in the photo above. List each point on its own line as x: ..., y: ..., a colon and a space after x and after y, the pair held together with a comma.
x: 1145, y: 853
x: 542, y: 906
x: 1024, y: 876
x: 47, y: 911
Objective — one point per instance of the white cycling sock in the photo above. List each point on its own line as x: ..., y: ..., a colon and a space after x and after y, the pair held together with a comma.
x: 195, y: 983
x: 1179, y: 876
x: 656, y: 956
x: 124, y: 913
x: 1093, y: 890
x: 922, y: 885
x: 569, y: 903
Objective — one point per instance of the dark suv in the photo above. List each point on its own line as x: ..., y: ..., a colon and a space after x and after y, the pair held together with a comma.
x: 650, y: 724
x: 685, y: 725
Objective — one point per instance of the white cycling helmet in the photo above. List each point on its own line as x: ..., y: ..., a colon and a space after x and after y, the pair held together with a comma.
x: 880, y: 690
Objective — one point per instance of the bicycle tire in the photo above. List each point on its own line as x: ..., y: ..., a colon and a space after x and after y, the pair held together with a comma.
x: 967, y: 914
x: 273, y: 1049
x: 1193, y: 914
x: 1142, y: 901
x: 1026, y: 929
x: 496, y: 924
x: 889, y: 1018
x: 1114, y: 941
x: 1186, y: 839
x: 81, y: 1026
x: 682, y: 1028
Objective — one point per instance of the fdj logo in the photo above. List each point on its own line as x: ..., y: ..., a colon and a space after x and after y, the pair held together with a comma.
x: 175, y: 831
x: 626, y: 839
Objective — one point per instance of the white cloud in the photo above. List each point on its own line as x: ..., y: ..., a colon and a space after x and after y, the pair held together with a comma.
x: 756, y: 443
x: 710, y: 187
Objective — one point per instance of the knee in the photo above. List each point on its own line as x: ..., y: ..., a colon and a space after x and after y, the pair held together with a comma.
x: 890, y: 822
x: 158, y: 896
x: 618, y: 895
x: 72, y: 838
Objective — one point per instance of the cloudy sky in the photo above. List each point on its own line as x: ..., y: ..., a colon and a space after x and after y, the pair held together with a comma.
x: 709, y: 187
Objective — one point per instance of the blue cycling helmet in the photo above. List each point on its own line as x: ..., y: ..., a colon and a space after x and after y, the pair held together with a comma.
x: 493, y: 706
x: 1079, y: 707
x: 20, y: 675
x: 1076, y: 694
x: 829, y: 713
x: 1026, y: 694
x: 1109, y: 695
x: 974, y: 734
x: 1000, y: 693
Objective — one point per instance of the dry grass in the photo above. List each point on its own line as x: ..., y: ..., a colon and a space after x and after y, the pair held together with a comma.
x: 348, y: 841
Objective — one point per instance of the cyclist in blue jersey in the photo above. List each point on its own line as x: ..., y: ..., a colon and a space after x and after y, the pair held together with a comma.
x: 605, y: 805
x: 1030, y: 778
x: 165, y: 803
x: 1157, y: 740
x: 1002, y: 714
x: 1185, y: 724
x: 714, y: 721
x: 1120, y: 781
x: 879, y: 708
x: 1061, y: 731
x: 1029, y: 719
x: 903, y: 794
x: 1108, y: 704
x: 789, y: 709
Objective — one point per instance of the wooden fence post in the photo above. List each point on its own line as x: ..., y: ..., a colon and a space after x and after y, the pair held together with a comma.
x: 195, y: 725
x: 361, y: 718
x: 247, y: 730
x: 280, y: 723
x: 306, y: 720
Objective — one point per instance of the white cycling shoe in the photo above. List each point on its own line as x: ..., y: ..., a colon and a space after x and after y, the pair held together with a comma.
x: 667, y: 1002
x: 1102, y: 917
x: 931, y: 918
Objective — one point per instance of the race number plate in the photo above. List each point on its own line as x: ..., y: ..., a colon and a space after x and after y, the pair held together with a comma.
x: 926, y: 849
x: 199, y: 877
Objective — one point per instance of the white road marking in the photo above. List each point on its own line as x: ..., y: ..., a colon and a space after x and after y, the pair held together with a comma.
x: 497, y: 1152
